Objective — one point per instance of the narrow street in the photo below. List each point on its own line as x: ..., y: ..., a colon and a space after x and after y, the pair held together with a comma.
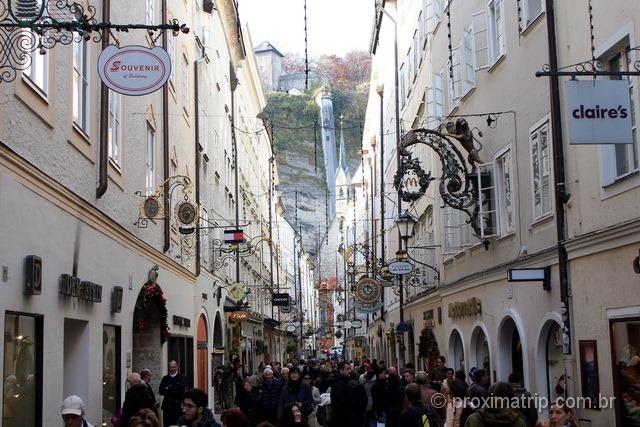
x: 362, y: 213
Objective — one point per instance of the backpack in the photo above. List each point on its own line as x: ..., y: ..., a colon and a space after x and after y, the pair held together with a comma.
x: 428, y: 418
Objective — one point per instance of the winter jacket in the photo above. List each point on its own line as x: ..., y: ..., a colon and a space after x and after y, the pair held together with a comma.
x: 249, y: 403
x: 315, y: 393
x: 426, y: 395
x: 136, y: 398
x: 379, y: 397
x: 368, y: 385
x: 296, y: 391
x: 348, y: 403
x: 454, y: 414
x: 207, y: 420
x: 271, y: 393
x: 172, y: 388
x: 526, y: 405
x: 412, y: 416
x: 502, y: 417
x: 478, y: 390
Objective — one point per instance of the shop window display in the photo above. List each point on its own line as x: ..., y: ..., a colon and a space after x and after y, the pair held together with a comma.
x: 625, y: 342
x: 22, y: 370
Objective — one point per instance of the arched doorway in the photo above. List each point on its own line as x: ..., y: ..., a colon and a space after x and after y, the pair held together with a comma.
x: 150, y: 331
x: 549, y: 364
x: 480, y: 357
x: 511, y: 351
x: 201, y: 356
x: 456, y: 351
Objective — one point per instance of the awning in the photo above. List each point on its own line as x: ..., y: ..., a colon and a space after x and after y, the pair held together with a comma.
x: 271, y: 322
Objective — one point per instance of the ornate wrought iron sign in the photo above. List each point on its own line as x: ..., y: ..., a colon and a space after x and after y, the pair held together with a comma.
x: 410, y: 180
x: 28, y: 26
x: 456, y: 184
x: 368, y: 290
x: 134, y: 70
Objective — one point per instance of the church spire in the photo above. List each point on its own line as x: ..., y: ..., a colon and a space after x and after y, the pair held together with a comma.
x: 342, y: 160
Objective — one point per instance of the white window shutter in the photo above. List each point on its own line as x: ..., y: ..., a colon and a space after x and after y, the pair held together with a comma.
x: 431, y: 107
x: 468, y: 63
x: 429, y: 16
x: 438, y: 96
x: 457, y: 72
x: 480, y: 39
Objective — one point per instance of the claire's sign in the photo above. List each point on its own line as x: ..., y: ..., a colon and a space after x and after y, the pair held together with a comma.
x: 599, y: 112
x: 134, y: 70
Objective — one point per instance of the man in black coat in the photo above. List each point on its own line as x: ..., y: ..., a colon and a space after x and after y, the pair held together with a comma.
x: 136, y: 398
x: 348, y: 399
x: 172, y: 387
x: 415, y: 414
x: 271, y: 390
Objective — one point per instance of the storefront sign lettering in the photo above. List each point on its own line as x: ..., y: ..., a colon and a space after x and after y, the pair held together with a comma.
x: 471, y: 307
x: 134, y: 70
x: 181, y: 321
x: 74, y: 287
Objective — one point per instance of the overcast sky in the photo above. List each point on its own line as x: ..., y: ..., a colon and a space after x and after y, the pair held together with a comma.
x: 334, y: 26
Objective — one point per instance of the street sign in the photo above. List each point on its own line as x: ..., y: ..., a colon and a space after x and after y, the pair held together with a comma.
x: 134, y: 70
x: 357, y: 323
x: 291, y: 328
x: 599, y: 111
x: 285, y: 309
x: 531, y: 275
x: 402, y: 327
x: 280, y: 300
x: 233, y: 236
x: 400, y: 268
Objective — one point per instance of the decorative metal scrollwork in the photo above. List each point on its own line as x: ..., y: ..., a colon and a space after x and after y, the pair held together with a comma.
x: 224, y: 252
x: 27, y: 26
x: 456, y: 184
x: 592, y: 67
x: 412, y: 184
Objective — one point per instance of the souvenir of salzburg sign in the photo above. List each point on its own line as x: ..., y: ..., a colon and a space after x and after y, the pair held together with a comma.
x: 134, y: 70
x: 236, y: 291
x: 368, y: 290
x: 599, y: 111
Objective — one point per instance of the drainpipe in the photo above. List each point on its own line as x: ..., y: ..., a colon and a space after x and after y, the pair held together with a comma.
x: 197, y: 148
x: 380, y: 91
x: 103, y: 164
x: 234, y: 84
x: 165, y: 144
x: 561, y: 195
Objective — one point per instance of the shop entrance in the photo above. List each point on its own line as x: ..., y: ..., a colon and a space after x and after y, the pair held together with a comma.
x: 76, y: 358
x: 147, y: 337
x: 480, y: 350
x: 456, y: 351
x: 202, y: 353
x: 181, y: 350
x: 510, y: 350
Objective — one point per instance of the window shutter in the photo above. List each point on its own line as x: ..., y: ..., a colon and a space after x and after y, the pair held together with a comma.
x: 480, y: 39
x: 457, y: 72
x: 468, y: 70
x: 431, y: 107
x: 438, y: 96
x: 486, y: 200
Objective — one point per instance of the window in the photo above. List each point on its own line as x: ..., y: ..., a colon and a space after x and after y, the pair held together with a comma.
x: 422, y: 27
x: 505, y: 192
x: 150, y: 184
x: 468, y: 70
x: 80, y: 85
x: 22, y: 371
x: 541, y: 170
x: 185, y: 84
x: 435, y: 9
x: 480, y: 39
x: 38, y: 70
x: 171, y: 49
x: 410, y: 71
x: 401, y: 78
x: 496, y: 30
x: 150, y: 12
x: 625, y: 338
x: 457, y: 230
x: 114, y: 136
x: 455, y: 78
x: 110, y: 372
x: 204, y: 222
x: 435, y: 102
x: 622, y: 159
x: 487, y: 206
x: 531, y: 9
x: 417, y: 53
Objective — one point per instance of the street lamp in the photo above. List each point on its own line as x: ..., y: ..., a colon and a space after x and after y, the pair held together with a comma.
x: 406, y: 224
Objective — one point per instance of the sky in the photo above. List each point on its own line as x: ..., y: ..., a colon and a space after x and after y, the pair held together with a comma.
x: 334, y: 26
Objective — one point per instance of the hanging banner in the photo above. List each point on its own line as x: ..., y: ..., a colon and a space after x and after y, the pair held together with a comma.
x: 599, y: 112
x: 134, y: 70
x: 281, y: 300
x: 368, y: 290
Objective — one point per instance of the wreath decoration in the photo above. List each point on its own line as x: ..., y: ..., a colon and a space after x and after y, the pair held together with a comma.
x: 151, y: 293
x: 260, y: 347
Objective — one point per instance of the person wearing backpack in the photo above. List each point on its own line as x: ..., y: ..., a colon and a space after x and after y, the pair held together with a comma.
x: 496, y: 412
x: 418, y: 414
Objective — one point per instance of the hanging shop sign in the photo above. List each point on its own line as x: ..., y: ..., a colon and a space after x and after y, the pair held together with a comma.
x: 181, y: 321
x: 368, y: 308
x: 233, y: 236
x: 134, y: 70
x: 291, y: 328
x: 411, y: 181
x: 236, y: 291
x: 402, y: 327
x: 400, y: 268
x: 74, y: 287
x: 238, y: 316
x: 368, y: 290
x: 599, y: 111
x: 356, y: 323
x: 470, y: 307
x: 280, y: 300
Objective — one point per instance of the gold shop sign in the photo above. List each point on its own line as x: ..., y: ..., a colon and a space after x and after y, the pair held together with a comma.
x: 470, y: 307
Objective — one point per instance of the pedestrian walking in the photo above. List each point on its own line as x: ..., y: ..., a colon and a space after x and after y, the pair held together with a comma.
x: 496, y: 412
x: 292, y: 416
x: 480, y: 387
x: 249, y: 399
x: 73, y: 412
x: 136, y: 398
x: 395, y: 397
x: 369, y: 381
x: 560, y: 415
x: 315, y: 394
x: 296, y: 392
x: 526, y: 405
x: 457, y: 409
x: 408, y: 377
x: 194, y: 410
x: 172, y: 388
x: 271, y: 389
x: 418, y: 414
x: 344, y: 399
x: 146, y: 376
x: 234, y: 418
x: 144, y: 418
x: 427, y: 392
x: 380, y: 405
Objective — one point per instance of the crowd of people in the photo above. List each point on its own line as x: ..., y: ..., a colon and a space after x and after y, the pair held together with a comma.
x: 334, y: 393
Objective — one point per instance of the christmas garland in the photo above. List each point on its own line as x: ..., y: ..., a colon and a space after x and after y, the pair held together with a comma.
x: 151, y: 293
x: 260, y: 347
